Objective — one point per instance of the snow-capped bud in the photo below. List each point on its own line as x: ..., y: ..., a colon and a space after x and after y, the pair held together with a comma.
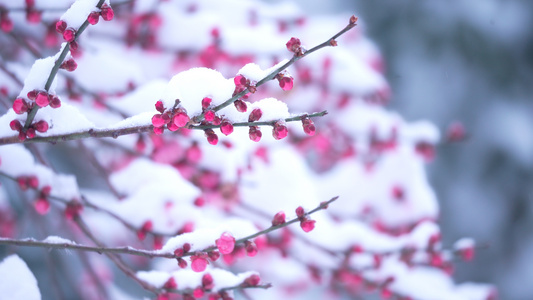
x: 309, y: 126
x: 41, y: 126
x: 307, y: 224
x: 69, y: 65
x: 211, y: 136
x: 279, y: 130
x: 226, y: 243
x: 255, y: 115
x: 253, y: 280
x: 55, y: 102
x: 107, y: 12
x: 20, y: 106
x: 42, y: 99
x: 69, y: 34
x: 61, y: 26
x: 159, y: 106
x: 207, y: 281
x: 170, y: 284
x: 226, y: 127
x: 15, y: 125
x: 255, y: 133
x: 240, y: 106
x: 206, y: 102
x: 41, y: 206
x: 199, y: 262
x: 278, y: 219
x: 93, y: 18
x: 251, y: 248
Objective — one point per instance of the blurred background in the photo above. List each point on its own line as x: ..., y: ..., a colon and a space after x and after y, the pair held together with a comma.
x: 469, y: 61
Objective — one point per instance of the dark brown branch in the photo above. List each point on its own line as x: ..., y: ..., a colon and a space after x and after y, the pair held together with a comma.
x: 114, y: 133
x: 101, y: 249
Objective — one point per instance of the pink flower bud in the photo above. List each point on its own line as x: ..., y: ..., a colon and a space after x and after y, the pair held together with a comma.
x: 107, y: 12
x: 294, y: 45
x: 157, y: 120
x: 214, y: 255
x: 55, y: 102
x: 93, y: 18
x: 278, y: 219
x: 15, y: 125
x: 198, y: 293
x: 193, y: 153
x: 182, y: 263
x: 212, y: 138
x: 255, y: 115
x: 61, y: 26
x: 226, y: 243
x: 240, y: 81
x: 198, y: 263
x: 42, y: 99
x: 32, y: 94
x: 69, y: 65
x: 41, y: 126
x: 255, y: 133
x: 206, y: 102
x: 207, y: 281
x: 160, y: 106
x: 186, y: 247
x: 300, y: 212
x: 180, y: 119
x: 170, y: 284
x: 285, y: 82
x: 159, y: 130
x: 73, y: 210
x: 253, y: 280
x: 33, y: 16
x: 42, y: 206
x: 69, y: 34
x: 226, y: 127
x: 209, y: 115
x: 309, y: 126
x: 251, y: 248
x: 240, y: 106
x: 279, y: 131
x: 307, y: 225
x: 20, y: 106
x: 30, y: 133
x: 6, y: 24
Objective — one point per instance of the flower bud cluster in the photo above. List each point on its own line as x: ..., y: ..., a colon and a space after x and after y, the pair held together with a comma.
x: 174, y: 118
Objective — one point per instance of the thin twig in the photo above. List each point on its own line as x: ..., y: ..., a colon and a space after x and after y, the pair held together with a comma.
x: 101, y: 249
x: 114, y: 133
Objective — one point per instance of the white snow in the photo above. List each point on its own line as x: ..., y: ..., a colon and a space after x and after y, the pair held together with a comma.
x: 17, y: 281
